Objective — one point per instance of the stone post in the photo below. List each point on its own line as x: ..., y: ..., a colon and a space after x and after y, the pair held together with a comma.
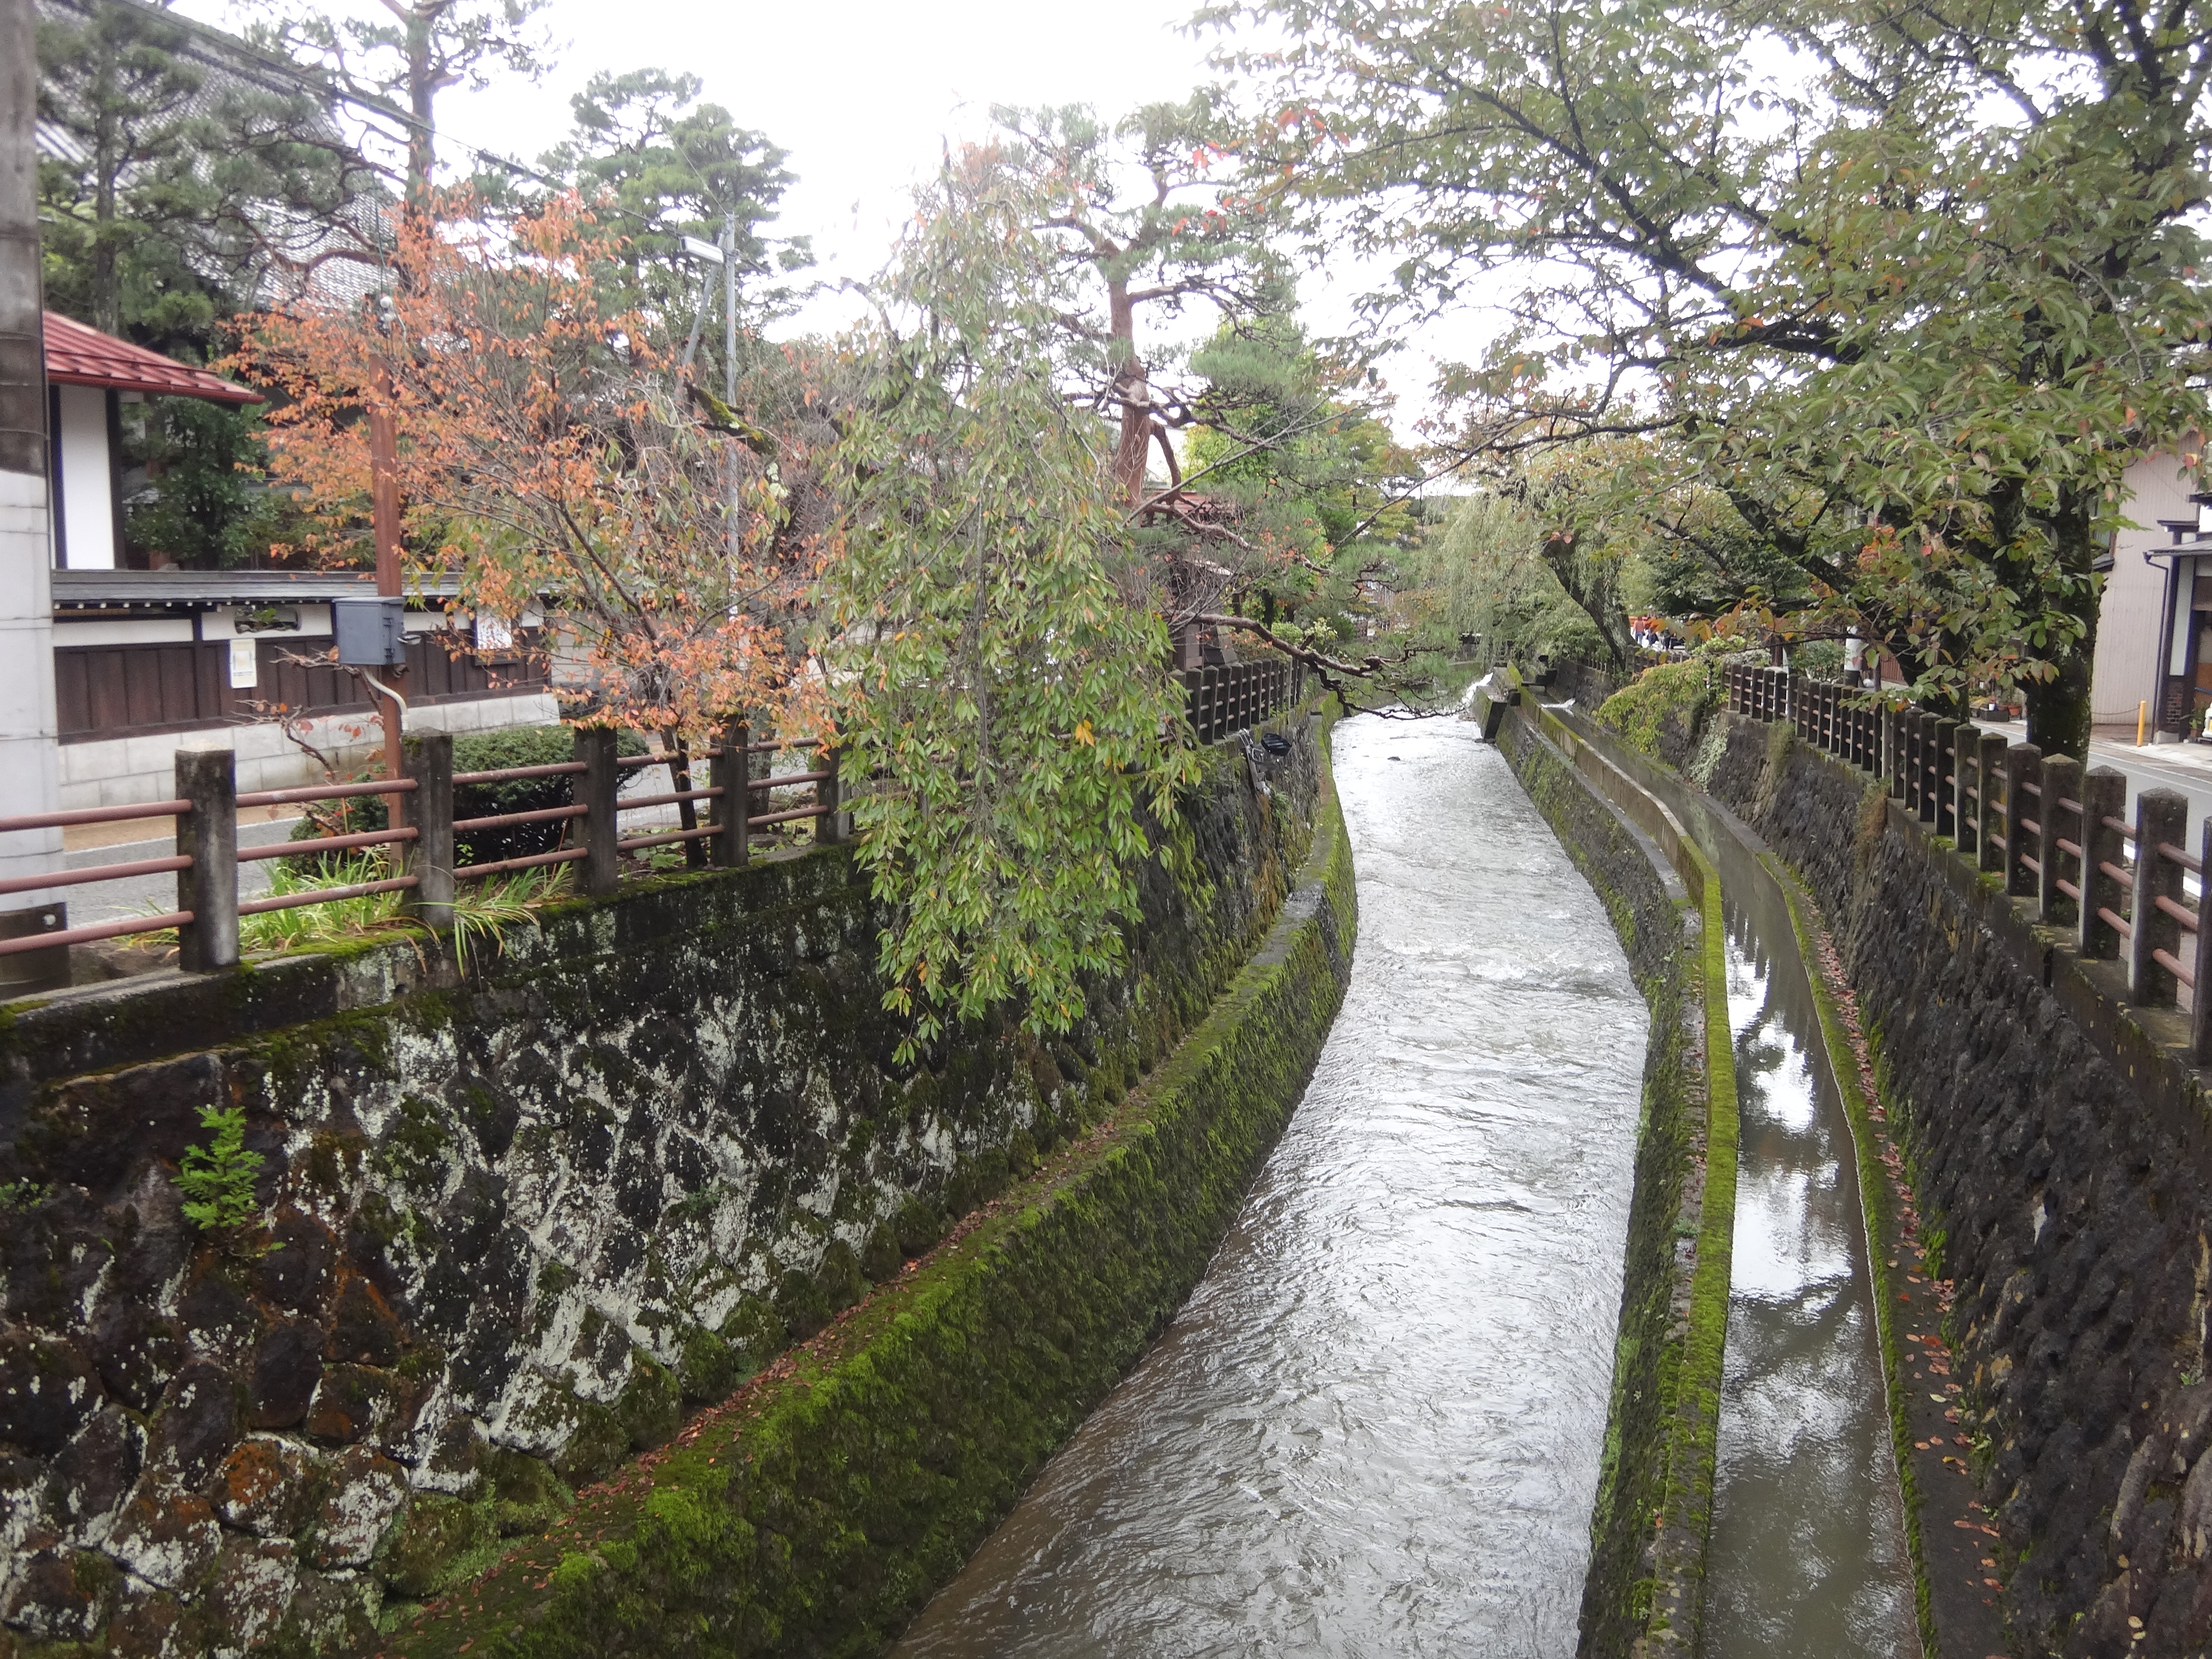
x: 595, y: 792
x: 208, y: 835
x: 427, y: 757
x: 730, y: 840
x: 2200, y: 962
x: 1944, y: 774
x: 2104, y: 844
x: 1991, y: 842
x: 2161, y: 820
x: 2023, y: 765
x: 2062, y: 781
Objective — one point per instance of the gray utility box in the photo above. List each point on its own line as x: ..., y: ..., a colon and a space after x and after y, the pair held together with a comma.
x: 371, y: 633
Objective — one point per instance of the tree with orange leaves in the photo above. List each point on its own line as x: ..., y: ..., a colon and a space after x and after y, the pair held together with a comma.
x: 551, y: 460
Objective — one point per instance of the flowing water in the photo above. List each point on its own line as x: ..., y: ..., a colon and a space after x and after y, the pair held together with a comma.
x: 1375, y: 1428
x: 1808, y: 1556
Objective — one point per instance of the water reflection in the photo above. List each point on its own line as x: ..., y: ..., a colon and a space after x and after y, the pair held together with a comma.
x: 1809, y: 1549
x: 1375, y: 1428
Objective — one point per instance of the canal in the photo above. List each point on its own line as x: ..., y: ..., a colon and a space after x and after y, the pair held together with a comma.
x: 1375, y: 1428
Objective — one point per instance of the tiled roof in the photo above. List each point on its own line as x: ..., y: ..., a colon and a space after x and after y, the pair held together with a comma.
x: 77, y: 355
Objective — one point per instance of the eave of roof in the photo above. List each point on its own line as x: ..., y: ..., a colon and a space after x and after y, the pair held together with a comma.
x: 77, y: 355
x: 94, y: 590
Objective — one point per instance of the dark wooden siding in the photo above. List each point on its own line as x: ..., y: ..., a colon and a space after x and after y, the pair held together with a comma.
x: 129, y: 690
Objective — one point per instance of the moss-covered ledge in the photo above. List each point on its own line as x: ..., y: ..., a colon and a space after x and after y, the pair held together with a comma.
x: 816, y: 1510
x: 1645, y: 1592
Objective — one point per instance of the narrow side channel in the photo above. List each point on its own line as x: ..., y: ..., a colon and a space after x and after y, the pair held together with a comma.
x: 1808, y: 1554
x: 1376, y: 1429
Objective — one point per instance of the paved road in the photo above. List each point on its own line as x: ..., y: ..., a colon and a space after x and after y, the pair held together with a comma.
x: 2184, y: 766
x: 109, y: 901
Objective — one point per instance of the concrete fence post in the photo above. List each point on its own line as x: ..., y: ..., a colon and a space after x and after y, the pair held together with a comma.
x: 2062, y: 781
x: 2161, y: 820
x: 1967, y: 790
x: 427, y: 757
x: 1991, y: 842
x: 2104, y: 798
x: 2023, y: 765
x: 597, y: 792
x: 728, y: 773
x: 1893, y: 765
x: 208, y: 835
x: 1944, y: 774
x: 1914, y: 733
x: 2200, y: 962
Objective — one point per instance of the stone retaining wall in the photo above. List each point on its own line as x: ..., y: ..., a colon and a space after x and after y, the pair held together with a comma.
x: 517, y: 1222
x: 2061, y: 1155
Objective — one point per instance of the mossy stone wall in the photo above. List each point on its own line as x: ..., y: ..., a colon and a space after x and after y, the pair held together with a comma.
x: 816, y: 1511
x: 2057, y: 1149
x: 522, y: 1221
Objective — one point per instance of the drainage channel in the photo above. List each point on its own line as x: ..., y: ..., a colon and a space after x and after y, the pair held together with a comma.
x: 1375, y: 1428
x: 1808, y: 1556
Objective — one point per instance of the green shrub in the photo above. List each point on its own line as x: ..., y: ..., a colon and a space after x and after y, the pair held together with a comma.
x: 1660, y: 711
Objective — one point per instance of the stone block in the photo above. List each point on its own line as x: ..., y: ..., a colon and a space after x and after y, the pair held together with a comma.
x: 365, y: 1489
x: 266, y: 1486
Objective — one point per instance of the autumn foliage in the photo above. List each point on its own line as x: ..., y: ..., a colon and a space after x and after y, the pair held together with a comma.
x: 552, y: 460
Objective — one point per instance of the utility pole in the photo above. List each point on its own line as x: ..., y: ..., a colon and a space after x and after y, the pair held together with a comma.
x: 730, y: 378
x: 383, y: 511
x: 30, y: 749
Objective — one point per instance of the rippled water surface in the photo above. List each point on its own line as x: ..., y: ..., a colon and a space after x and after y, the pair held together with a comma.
x: 1808, y: 1555
x: 1375, y: 1429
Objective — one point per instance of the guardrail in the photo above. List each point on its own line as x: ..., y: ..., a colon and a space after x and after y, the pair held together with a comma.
x: 422, y: 831
x: 2053, y: 833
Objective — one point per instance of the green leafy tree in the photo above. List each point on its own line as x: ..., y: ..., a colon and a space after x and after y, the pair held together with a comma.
x: 1018, y: 710
x: 1140, y: 219
x: 177, y: 173
x: 672, y: 167
x: 206, y: 506
x: 1910, y: 288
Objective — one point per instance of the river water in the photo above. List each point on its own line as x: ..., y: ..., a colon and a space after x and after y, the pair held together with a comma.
x: 1808, y: 1556
x: 1375, y: 1428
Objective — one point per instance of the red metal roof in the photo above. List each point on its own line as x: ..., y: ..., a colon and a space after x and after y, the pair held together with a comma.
x: 77, y: 355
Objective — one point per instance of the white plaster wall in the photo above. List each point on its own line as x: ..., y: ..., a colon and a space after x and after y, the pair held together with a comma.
x: 2128, y: 644
x: 122, y: 771
x: 28, y: 724
x: 88, y: 486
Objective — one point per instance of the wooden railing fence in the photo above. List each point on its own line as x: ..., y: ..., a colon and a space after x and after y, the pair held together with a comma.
x: 421, y: 837
x: 2054, y: 834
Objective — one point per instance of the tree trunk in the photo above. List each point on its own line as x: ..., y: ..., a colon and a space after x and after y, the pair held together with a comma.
x: 107, y: 289
x: 422, y: 92
x: 2059, y: 709
x: 1135, y: 394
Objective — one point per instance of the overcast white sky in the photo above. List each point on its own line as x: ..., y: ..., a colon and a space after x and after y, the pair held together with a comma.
x: 862, y: 94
